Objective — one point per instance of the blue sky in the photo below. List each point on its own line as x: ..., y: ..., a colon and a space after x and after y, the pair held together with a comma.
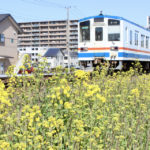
x: 40, y: 10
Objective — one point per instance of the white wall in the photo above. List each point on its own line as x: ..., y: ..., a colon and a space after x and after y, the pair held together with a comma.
x: 56, y: 61
x: 33, y: 51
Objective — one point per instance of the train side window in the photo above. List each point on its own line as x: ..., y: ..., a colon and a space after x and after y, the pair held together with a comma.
x: 99, y: 34
x: 112, y: 22
x: 147, y: 42
x: 85, y: 31
x: 130, y: 37
x: 126, y: 35
x: 136, y: 38
x: 142, y: 40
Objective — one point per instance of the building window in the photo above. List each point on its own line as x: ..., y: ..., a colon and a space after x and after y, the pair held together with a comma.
x: 85, y: 31
x: 142, y: 40
x: 12, y: 40
x: 2, y: 38
x: 65, y: 58
x: 99, y: 34
x: 130, y: 37
x: 136, y: 38
x: 147, y: 42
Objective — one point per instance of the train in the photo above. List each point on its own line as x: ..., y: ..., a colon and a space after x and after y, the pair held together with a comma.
x: 113, y: 39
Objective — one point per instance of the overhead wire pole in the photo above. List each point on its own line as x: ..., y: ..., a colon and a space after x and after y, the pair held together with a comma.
x: 68, y: 26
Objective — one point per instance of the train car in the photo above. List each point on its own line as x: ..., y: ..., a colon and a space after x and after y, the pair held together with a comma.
x: 113, y: 39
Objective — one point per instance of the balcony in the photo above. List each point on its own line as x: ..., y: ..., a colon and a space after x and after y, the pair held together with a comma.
x: 74, y: 46
x: 73, y: 29
x: 57, y: 29
x: 73, y: 42
x: 73, y: 37
x: 35, y: 39
x: 35, y: 25
x: 73, y: 33
x: 35, y: 31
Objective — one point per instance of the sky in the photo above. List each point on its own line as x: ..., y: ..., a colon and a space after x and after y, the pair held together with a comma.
x: 43, y: 10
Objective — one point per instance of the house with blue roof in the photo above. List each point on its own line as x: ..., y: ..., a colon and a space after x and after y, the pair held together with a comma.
x: 55, y: 57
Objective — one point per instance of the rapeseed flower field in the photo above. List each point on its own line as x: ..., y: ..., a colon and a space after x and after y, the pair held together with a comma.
x: 77, y: 111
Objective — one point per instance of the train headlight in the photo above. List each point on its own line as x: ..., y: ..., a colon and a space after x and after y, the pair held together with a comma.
x: 84, y: 48
x: 114, y: 48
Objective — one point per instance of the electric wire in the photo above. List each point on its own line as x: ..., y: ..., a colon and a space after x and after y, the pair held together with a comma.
x: 47, y: 4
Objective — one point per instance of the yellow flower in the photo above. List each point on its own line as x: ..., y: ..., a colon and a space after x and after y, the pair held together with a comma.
x: 67, y: 105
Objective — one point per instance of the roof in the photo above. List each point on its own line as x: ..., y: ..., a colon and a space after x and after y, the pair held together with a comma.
x: 113, y: 17
x: 5, y: 16
x: 52, y: 52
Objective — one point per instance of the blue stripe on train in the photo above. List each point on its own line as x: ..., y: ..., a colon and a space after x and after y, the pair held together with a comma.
x: 120, y: 54
x: 133, y: 55
x: 80, y: 55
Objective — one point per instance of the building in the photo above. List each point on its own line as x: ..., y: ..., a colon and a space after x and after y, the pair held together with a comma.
x: 50, y: 34
x: 34, y: 52
x: 148, y: 22
x: 55, y: 57
x: 9, y: 30
x: 73, y: 59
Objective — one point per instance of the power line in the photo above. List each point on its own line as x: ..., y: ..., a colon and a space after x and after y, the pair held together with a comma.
x: 53, y: 3
x: 14, y: 14
x: 79, y: 11
x: 74, y: 14
x: 47, y: 4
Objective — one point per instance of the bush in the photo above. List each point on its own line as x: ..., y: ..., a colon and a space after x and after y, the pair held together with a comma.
x: 76, y: 111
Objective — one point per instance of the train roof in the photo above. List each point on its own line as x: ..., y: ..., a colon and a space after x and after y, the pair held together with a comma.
x: 113, y: 17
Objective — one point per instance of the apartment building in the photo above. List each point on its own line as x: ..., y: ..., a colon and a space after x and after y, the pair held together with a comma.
x: 50, y: 34
x: 9, y: 30
x: 148, y: 22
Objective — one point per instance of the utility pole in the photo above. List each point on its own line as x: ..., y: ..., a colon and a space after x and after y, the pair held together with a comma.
x: 68, y: 26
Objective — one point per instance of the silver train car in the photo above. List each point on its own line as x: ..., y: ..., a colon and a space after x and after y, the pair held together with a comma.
x: 113, y: 39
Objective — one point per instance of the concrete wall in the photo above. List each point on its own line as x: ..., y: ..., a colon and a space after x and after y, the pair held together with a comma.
x: 9, y: 47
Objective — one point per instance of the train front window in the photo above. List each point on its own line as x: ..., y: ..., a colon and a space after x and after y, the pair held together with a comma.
x: 112, y: 22
x: 114, y: 37
x: 113, y: 30
x: 85, y: 31
x: 98, y: 34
